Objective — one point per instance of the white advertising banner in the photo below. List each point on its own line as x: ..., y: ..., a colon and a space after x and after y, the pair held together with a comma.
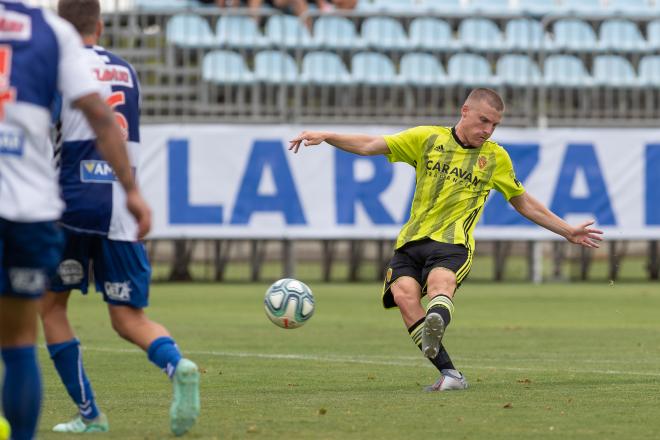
x: 240, y: 181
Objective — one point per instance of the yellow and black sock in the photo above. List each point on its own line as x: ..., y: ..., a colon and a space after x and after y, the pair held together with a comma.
x: 443, y: 305
x: 442, y: 360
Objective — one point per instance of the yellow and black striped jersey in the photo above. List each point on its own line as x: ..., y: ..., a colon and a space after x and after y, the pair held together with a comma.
x: 453, y: 182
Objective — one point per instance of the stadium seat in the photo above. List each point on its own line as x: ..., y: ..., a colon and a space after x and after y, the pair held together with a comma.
x: 274, y: 66
x: 225, y: 67
x: 490, y: 6
x: 518, y: 70
x: 422, y: 69
x: 587, y: 7
x: 565, y: 71
x: 324, y: 68
x: 537, y: 7
x: 384, y: 33
x: 614, y: 71
x: 336, y: 33
x: 630, y: 7
x: 480, y: 34
x: 374, y: 69
x: 574, y: 34
x: 649, y: 71
x: 621, y: 35
x: 239, y: 32
x: 394, y: 5
x: 653, y: 35
x: 288, y: 31
x: 470, y: 70
x: 164, y: 5
x: 431, y: 34
x: 188, y: 30
x: 444, y: 7
x: 526, y: 34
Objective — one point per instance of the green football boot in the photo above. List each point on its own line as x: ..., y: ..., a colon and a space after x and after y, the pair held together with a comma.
x: 185, y: 404
x: 80, y: 425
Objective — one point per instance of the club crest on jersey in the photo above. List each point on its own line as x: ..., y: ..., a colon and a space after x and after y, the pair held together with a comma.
x: 96, y: 171
x: 114, y: 75
x: 482, y: 162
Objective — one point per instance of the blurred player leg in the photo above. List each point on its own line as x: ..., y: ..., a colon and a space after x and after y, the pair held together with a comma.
x: 133, y: 325
x: 64, y: 350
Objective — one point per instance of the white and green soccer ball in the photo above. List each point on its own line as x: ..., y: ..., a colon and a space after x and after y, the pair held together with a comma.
x: 289, y: 303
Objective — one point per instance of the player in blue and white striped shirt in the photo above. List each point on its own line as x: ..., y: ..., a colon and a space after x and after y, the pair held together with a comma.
x: 40, y: 56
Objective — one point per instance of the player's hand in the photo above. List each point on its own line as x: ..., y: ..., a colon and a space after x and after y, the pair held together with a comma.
x: 140, y: 210
x: 306, y: 138
x: 586, y: 236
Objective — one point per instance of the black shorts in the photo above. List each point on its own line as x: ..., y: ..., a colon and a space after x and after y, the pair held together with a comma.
x: 416, y: 259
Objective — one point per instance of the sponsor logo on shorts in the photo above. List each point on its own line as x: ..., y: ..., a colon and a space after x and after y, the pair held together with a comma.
x: 70, y: 271
x: 388, y: 277
x: 118, y: 291
x: 28, y: 280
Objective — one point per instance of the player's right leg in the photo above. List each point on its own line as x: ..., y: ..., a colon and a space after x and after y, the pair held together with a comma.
x: 402, y: 289
x: 62, y: 344
x: 123, y: 273
x: 28, y: 254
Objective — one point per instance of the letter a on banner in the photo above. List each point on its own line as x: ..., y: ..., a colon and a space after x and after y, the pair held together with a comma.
x: 582, y: 157
x: 268, y: 154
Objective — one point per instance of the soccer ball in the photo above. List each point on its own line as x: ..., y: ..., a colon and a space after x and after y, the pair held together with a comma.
x: 289, y: 303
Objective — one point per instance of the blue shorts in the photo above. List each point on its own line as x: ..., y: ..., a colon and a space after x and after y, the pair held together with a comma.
x: 29, y: 253
x: 121, y: 268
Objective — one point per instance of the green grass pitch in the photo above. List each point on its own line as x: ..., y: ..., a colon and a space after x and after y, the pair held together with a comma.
x: 556, y: 361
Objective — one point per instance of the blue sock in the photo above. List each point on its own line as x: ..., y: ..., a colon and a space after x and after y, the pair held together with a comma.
x: 165, y: 354
x: 68, y: 362
x: 21, y: 391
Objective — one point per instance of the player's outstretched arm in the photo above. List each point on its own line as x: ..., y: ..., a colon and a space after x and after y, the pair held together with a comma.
x: 582, y: 234
x: 362, y: 144
x: 113, y: 149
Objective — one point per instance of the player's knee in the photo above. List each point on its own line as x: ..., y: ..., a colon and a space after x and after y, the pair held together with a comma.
x: 404, y: 298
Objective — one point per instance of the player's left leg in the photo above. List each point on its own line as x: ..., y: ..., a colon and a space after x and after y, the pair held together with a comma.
x: 122, y: 273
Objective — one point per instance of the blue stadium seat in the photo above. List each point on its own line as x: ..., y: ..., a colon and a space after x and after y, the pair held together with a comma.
x: 649, y: 71
x: 565, y: 71
x: 480, y: 34
x: 288, y: 31
x: 518, y: 70
x: 537, y: 7
x: 470, y: 70
x: 444, y: 7
x: 225, y: 67
x: 422, y: 69
x: 239, y: 32
x: 274, y: 66
x: 526, y: 34
x: 653, y: 35
x: 629, y: 7
x: 374, y: 69
x: 324, y: 68
x: 431, y: 34
x: 384, y: 33
x: 621, y: 35
x: 336, y: 33
x: 166, y: 5
x: 614, y: 71
x: 490, y: 6
x: 587, y: 7
x: 574, y: 34
x: 189, y: 30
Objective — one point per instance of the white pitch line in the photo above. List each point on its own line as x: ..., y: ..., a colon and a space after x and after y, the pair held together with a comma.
x: 366, y: 361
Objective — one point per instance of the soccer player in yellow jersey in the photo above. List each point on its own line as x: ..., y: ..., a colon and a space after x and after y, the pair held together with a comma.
x: 456, y: 169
